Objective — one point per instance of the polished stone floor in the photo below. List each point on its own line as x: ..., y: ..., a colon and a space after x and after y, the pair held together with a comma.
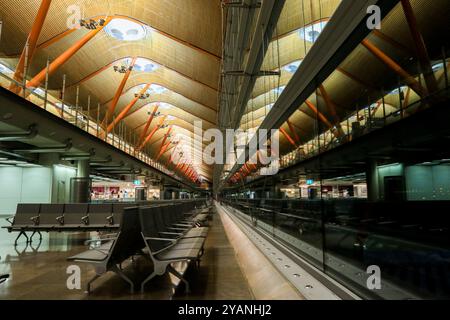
x: 39, y: 271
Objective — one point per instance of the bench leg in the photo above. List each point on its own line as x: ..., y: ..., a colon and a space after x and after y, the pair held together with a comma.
x: 19, y: 235
x: 32, y: 235
x: 179, y: 276
x: 88, y: 289
x: 150, y: 277
x: 158, y: 270
x: 119, y: 272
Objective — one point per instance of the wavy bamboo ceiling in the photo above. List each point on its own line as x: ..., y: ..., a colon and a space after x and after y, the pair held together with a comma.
x: 183, y: 40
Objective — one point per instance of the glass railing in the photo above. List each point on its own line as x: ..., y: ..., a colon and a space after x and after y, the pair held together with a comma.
x: 344, y: 237
x: 82, y: 117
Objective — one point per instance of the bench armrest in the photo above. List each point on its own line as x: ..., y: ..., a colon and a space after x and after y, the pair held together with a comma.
x: 188, y: 225
x: 171, y: 233
x: 60, y: 220
x: 85, y: 219
x: 35, y: 220
x: 178, y: 229
x: 10, y: 219
x: 161, y: 239
x: 110, y: 219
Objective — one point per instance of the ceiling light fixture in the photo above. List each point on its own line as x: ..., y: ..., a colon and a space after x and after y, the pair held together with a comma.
x: 92, y: 24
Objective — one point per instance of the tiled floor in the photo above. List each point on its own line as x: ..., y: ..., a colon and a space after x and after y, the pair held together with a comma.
x: 39, y: 272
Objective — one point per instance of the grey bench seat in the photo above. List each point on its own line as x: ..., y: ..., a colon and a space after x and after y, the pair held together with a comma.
x: 168, y: 218
x: 164, y: 251
x: 114, y: 250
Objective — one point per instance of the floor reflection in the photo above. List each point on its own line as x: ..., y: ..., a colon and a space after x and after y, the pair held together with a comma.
x: 38, y: 271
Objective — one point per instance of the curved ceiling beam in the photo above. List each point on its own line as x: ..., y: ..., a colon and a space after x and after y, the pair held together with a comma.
x: 31, y: 45
x: 127, y: 109
x: 106, y: 67
x: 63, y: 58
x: 63, y: 34
x: 158, y: 83
x: 174, y: 106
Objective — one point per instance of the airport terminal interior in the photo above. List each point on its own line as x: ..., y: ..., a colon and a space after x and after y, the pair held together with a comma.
x: 224, y: 150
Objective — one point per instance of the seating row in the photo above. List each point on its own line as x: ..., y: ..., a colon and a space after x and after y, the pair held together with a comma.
x: 164, y: 233
x: 39, y: 218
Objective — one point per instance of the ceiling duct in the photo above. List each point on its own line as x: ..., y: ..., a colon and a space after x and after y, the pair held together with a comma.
x: 22, y: 135
x: 55, y: 149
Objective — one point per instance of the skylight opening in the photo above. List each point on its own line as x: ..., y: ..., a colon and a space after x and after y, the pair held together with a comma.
x: 293, y: 67
x: 312, y: 32
x: 142, y: 65
x: 126, y: 30
x: 5, y: 70
x: 279, y: 90
x: 396, y: 91
x: 438, y: 66
x: 157, y: 89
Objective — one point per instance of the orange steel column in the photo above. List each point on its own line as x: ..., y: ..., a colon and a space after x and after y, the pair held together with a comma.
x: 391, y: 64
x: 33, y: 37
x: 288, y: 137
x: 165, y: 137
x: 112, y: 106
x: 319, y: 114
x: 332, y: 109
x: 421, y: 49
x: 126, y: 110
x: 164, y: 146
x: 147, y: 125
x: 291, y: 128
x: 163, y: 150
x: 150, y: 136
x: 63, y: 58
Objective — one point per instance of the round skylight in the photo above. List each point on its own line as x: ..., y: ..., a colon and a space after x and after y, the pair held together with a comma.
x: 292, y: 67
x: 126, y: 30
x: 157, y: 89
x: 143, y: 64
x: 279, y: 90
x: 312, y: 32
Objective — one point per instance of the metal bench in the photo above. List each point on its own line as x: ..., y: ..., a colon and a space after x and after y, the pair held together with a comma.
x: 114, y: 250
x: 26, y: 219
x: 173, y: 222
x: 164, y: 250
x: 75, y: 217
x: 101, y: 216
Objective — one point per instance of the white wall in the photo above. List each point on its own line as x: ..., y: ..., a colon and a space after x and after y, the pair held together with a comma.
x: 24, y: 185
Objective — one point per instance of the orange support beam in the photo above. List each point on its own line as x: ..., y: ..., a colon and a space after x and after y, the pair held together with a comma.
x: 165, y: 137
x: 163, y: 150
x: 291, y: 128
x: 31, y: 42
x: 126, y: 110
x: 150, y: 136
x: 319, y: 114
x: 113, y: 105
x: 421, y: 49
x: 63, y: 58
x: 288, y: 137
x: 332, y: 109
x: 147, y: 125
x: 394, y: 66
